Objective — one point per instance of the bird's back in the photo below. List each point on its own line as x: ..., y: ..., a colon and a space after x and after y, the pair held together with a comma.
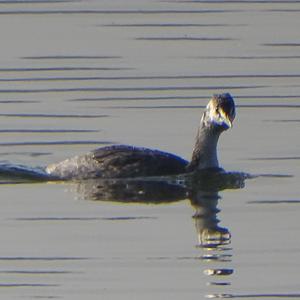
x: 129, y: 161
x: 119, y: 161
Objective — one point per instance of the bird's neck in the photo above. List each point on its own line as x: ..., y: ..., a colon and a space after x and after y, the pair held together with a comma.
x: 205, y: 151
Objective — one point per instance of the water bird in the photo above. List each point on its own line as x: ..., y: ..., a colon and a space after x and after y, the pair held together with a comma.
x: 125, y: 161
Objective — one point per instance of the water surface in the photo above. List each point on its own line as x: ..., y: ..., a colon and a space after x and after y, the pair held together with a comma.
x: 77, y: 75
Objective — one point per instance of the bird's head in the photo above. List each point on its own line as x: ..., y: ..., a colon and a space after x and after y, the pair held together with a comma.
x: 220, y: 112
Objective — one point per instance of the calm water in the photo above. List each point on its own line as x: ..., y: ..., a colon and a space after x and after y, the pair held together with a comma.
x: 75, y: 75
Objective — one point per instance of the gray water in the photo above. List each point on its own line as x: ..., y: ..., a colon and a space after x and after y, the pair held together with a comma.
x: 75, y: 75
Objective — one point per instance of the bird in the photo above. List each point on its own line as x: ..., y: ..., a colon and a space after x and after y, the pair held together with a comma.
x: 126, y: 161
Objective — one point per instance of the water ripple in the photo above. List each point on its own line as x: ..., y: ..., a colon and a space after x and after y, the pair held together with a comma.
x: 15, y: 285
x: 172, y: 25
x: 11, y: 115
x: 46, y: 130
x: 196, y: 98
x: 258, y: 57
x: 161, y: 77
x: 42, y: 258
x: 274, y: 202
x: 56, y: 143
x: 55, y: 69
x: 122, y: 218
x: 64, y: 57
x: 185, y: 38
x: 117, y: 12
x: 126, y: 89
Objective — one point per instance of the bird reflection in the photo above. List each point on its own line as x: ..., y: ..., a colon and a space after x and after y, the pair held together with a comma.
x: 201, y: 188
x: 206, y: 221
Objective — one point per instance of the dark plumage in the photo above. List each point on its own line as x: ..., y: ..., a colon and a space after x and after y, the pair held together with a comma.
x: 130, y: 161
x: 122, y: 161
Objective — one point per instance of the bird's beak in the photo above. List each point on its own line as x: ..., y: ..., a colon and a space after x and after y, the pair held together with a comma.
x: 226, y: 119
